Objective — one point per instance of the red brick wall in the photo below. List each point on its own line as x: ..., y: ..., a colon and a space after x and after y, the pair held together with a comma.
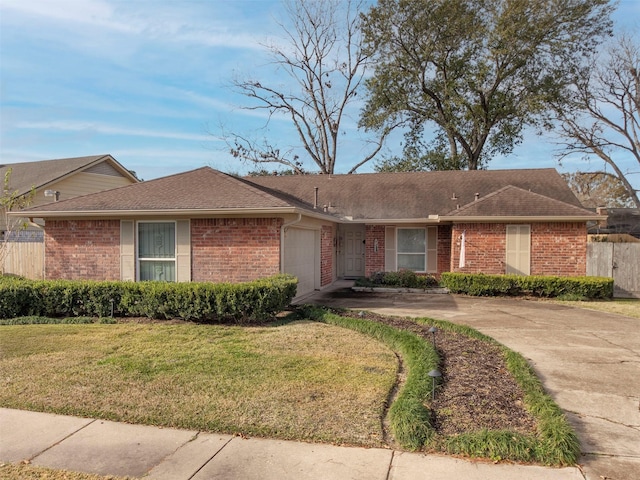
x: 82, y: 249
x: 556, y: 248
x: 327, y: 238
x: 444, y: 248
x: 485, y: 247
x: 559, y: 249
x: 235, y: 249
x: 374, y: 261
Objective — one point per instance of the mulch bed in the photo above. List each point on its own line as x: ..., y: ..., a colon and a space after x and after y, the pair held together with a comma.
x: 477, y: 391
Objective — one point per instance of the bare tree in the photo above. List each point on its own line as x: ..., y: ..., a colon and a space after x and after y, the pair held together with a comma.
x: 325, y: 62
x: 603, y: 118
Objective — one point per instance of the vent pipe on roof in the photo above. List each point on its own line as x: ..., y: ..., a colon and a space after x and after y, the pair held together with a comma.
x: 315, y: 199
x: 477, y: 196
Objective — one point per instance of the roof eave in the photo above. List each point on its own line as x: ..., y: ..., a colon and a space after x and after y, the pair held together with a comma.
x: 176, y: 212
x: 432, y: 219
x: 521, y: 218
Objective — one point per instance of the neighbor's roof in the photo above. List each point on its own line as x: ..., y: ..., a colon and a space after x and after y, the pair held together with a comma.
x: 510, y: 202
x: 201, y: 190
x: 417, y: 194
x: 28, y: 175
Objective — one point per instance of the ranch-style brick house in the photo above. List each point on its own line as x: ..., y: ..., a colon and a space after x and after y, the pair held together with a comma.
x: 205, y: 225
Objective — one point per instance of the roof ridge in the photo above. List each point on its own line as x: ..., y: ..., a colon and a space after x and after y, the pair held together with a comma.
x: 502, y: 190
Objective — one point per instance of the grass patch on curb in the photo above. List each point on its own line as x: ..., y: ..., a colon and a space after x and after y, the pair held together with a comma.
x: 28, y: 472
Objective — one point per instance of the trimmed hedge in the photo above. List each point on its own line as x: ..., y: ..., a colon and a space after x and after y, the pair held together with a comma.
x: 540, y: 286
x: 204, y: 302
x: 402, y: 278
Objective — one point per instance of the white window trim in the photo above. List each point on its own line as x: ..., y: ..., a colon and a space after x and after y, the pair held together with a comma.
x: 165, y: 259
x: 424, y: 253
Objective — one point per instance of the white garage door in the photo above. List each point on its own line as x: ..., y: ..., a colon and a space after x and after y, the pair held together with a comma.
x: 301, y: 258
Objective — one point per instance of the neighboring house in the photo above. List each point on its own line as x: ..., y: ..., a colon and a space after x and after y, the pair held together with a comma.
x: 619, y: 221
x: 205, y: 225
x: 58, y: 180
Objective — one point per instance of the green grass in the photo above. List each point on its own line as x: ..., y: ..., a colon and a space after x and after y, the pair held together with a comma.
x: 29, y: 472
x: 299, y: 380
x: 629, y: 307
x: 408, y: 416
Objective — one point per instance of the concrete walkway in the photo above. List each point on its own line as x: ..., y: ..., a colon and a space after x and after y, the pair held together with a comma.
x: 109, y: 448
x: 588, y: 361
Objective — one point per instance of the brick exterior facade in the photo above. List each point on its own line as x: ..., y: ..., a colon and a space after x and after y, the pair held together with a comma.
x: 374, y: 235
x: 327, y: 257
x: 234, y: 249
x: 556, y: 248
x: 559, y: 249
x: 82, y: 249
x: 444, y: 249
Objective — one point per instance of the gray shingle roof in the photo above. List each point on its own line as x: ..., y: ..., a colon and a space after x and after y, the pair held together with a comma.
x: 201, y: 189
x: 27, y: 175
x: 363, y: 197
x: 512, y: 201
x: 415, y: 194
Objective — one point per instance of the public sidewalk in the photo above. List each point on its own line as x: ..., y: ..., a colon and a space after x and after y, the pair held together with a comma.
x: 110, y: 448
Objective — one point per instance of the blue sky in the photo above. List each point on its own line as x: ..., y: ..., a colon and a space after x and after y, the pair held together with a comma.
x: 148, y: 82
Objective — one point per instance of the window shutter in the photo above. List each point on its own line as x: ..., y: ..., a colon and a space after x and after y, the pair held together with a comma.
x: 518, y: 249
x: 183, y: 251
x: 390, y: 259
x: 432, y: 249
x: 127, y: 251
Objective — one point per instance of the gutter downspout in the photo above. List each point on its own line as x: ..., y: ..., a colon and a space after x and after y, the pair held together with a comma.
x: 282, y: 230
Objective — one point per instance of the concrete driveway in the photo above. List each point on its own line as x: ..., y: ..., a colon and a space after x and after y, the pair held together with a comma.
x: 588, y: 361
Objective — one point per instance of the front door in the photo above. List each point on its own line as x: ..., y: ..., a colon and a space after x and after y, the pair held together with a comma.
x: 353, y: 251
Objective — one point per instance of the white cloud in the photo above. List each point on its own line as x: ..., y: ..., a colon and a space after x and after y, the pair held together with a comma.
x: 80, y: 126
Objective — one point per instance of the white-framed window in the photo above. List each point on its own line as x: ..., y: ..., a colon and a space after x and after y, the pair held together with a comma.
x: 156, y: 251
x: 412, y: 249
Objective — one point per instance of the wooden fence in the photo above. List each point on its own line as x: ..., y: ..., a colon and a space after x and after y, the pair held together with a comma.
x: 24, y: 255
x: 620, y: 261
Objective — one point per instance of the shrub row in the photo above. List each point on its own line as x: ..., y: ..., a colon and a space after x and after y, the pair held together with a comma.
x: 203, y: 302
x: 401, y: 278
x: 539, y: 286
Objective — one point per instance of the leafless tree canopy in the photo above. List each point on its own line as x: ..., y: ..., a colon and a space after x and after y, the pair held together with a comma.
x: 604, y: 117
x: 324, y: 63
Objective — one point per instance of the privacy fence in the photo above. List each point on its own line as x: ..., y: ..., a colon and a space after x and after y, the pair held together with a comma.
x: 620, y: 261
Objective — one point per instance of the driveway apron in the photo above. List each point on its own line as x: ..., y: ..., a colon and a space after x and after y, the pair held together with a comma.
x: 588, y: 361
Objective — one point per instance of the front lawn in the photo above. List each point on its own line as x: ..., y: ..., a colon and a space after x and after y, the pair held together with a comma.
x: 629, y: 307
x: 301, y: 380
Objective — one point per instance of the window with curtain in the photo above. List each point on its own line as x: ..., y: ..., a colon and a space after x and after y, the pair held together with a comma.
x: 157, y: 251
x: 412, y: 249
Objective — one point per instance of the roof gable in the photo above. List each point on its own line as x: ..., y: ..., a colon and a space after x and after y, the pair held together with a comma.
x: 511, y: 201
x: 28, y: 175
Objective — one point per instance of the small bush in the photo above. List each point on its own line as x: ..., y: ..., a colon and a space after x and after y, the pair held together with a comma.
x: 401, y: 279
x: 206, y: 302
x: 539, y: 286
